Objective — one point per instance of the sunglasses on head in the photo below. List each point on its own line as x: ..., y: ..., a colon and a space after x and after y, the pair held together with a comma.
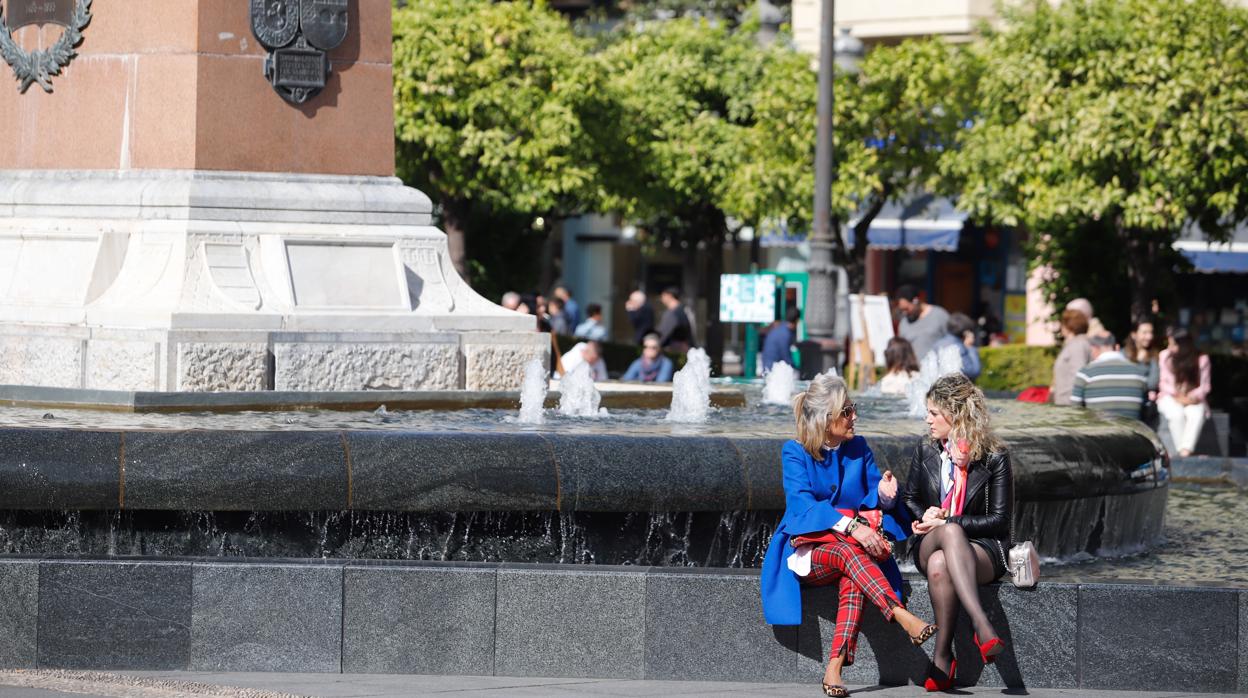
x: 849, y: 409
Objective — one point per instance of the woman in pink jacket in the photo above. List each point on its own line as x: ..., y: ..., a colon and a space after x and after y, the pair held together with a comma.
x: 1183, y: 391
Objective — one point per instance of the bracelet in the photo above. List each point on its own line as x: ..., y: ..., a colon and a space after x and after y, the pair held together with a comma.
x: 853, y: 523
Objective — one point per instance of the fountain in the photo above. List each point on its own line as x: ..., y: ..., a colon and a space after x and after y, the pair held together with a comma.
x: 578, y: 396
x: 936, y: 363
x: 691, y: 389
x: 779, y: 385
x: 533, y: 393
x: 284, y: 259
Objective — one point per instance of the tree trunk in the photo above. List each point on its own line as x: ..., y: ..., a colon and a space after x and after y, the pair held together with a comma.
x: 856, y: 267
x: 716, y: 233
x: 1145, y: 269
x: 550, y: 249
x: 454, y: 221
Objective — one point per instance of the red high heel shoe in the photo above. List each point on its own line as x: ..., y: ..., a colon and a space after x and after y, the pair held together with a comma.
x: 990, y: 649
x: 933, y: 684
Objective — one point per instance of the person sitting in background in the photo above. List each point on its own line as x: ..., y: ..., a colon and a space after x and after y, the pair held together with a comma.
x: 1084, y: 306
x: 589, y: 353
x: 511, y: 300
x: 652, y: 366
x: 1183, y: 391
x: 556, y: 316
x: 675, y: 329
x: 778, y: 345
x: 571, y: 309
x: 921, y: 323
x: 960, y: 333
x: 902, y: 367
x: 640, y: 315
x: 592, y: 327
x: 1075, y: 354
x: 1141, y: 348
x: 1110, y: 383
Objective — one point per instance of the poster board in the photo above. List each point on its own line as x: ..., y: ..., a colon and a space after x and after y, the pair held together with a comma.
x: 747, y: 298
x: 877, y: 314
x: 1016, y: 317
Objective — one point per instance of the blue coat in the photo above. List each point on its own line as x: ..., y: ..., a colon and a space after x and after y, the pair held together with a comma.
x: 846, y: 478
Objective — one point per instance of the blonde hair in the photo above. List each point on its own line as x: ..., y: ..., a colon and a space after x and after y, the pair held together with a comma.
x: 963, y: 405
x: 826, y: 395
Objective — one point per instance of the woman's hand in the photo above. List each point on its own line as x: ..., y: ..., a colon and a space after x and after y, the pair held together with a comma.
x: 888, y: 485
x: 871, y: 541
x: 934, y: 513
x: 926, y: 525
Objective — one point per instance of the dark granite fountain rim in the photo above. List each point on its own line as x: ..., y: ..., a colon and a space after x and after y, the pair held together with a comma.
x: 358, y: 400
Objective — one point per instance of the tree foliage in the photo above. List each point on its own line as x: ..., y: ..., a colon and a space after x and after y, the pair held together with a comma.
x: 491, y: 106
x: 896, y: 120
x: 1124, y: 113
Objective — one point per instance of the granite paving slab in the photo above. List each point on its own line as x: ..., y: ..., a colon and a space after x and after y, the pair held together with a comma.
x: 236, y: 471
x: 570, y: 623
x: 411, y: 620
x: 711, y: 627
x: 19, y: 613
x: 1243, y: 642
x: 1039, y: 627
x: 267, y: 618
x: 1123, y: 631
x: 114, y: 615
x: 884, y: 653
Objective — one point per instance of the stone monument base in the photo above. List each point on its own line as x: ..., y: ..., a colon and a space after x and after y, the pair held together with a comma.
x: 232, y: 281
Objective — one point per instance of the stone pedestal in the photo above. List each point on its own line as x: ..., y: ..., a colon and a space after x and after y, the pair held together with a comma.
x: 168, y: 222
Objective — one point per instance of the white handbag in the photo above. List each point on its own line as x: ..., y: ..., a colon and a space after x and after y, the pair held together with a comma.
x: 1023, y: 563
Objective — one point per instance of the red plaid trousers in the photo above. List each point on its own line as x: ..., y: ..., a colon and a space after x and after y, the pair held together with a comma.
x: 859, y: 576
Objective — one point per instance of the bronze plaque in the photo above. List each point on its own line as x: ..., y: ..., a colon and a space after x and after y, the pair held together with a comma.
x: 19, y: 13
x: 275, y: 22
x: 324, y: 22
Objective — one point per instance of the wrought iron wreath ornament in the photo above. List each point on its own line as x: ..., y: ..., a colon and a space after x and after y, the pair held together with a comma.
x: 40, y: 66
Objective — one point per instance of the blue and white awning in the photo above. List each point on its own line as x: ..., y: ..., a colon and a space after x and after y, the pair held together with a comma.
x: 1215, y: 258
x: 923, y: 222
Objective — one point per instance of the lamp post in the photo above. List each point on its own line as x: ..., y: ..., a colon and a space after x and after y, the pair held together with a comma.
x: 843, y: 52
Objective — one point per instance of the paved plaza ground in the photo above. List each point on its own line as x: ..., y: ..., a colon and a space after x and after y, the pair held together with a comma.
x: 183, y: 684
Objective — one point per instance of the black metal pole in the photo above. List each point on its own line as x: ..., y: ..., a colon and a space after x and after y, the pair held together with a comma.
x: 820, y: 308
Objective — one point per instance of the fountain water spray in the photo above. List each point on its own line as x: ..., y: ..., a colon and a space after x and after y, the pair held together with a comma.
x: 578, y: 396
x: 936, y: 363
x: 533, y: 393
x: 691, y: 389
x: 779, y: 384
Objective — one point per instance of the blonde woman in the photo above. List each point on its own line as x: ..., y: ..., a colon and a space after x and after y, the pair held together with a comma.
x: 959, y: 493
x: 835, y: 528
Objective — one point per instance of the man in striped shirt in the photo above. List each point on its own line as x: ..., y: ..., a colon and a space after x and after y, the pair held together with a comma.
x: 1110, y: 383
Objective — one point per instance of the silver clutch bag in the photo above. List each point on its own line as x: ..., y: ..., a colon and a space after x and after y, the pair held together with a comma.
x: 1024, y: 565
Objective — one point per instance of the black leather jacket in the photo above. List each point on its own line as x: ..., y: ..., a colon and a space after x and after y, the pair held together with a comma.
x: 989, y: 502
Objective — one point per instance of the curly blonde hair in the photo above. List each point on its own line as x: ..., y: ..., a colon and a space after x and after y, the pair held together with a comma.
x: 825, y: 396
x: 963, y: 405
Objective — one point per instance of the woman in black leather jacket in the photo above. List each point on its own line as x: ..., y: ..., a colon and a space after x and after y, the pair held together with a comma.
x: 959, y: 494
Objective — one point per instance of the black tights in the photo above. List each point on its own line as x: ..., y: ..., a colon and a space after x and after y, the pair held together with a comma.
x: 955, y: 568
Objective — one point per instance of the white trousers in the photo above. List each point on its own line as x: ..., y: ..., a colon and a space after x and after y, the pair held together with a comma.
x: 1184, y: 421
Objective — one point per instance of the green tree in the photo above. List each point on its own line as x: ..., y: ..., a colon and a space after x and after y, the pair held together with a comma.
x: 711, y: 126
x: 491, y: 106
x: 1129, y: 114
x: 894, y: 123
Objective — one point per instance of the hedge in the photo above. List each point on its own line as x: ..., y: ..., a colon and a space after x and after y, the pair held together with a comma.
x: 1015, y: 367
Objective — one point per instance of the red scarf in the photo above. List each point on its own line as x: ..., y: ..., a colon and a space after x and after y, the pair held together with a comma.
x: 955, y: 500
